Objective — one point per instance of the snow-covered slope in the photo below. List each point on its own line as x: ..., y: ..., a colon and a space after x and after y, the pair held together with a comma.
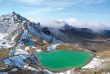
x: 41, y: 32
x: 11, y: 29
x: 15, y: 28
x: 17, y: 60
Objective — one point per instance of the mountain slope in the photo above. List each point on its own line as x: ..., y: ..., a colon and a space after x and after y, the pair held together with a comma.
x: 10, y: 28
x: 15, y: 28
x: 72, y: 34
x: 85, y: 37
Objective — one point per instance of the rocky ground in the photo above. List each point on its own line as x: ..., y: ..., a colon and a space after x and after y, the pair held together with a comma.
x: 27, y: 63
x: 18, y: 58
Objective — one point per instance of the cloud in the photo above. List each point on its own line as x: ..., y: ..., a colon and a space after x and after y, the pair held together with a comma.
x: 60, y: 2
x: 93, y: 1
x: 50, y: 23
x: 43, y: 10
x: 94, y: 25
x: 53, y: 5
x: 29, y: 1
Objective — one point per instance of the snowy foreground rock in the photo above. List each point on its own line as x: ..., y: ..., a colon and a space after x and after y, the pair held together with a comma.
x: 52, y: 47
x: 18, y: 52
x: 17, y: 60
x: 96, y: 63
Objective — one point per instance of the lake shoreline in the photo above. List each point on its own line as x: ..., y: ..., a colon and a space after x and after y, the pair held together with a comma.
x: 65, y: 69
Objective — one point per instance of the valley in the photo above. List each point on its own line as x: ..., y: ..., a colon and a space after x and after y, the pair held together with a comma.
x: 30, y: 48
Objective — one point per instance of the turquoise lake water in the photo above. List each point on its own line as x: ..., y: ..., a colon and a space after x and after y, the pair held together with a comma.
x: 60, y: 59
x: 30, y: 43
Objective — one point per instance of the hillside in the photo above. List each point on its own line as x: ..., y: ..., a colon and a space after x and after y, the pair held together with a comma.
x: 15, y: 28
x: 21, y: 39
x: 85, y: 37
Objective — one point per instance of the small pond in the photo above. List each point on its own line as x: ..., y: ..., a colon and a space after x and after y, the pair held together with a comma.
x: 30, y: 43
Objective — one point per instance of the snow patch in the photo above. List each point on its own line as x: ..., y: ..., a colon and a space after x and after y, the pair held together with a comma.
x: 37, y: 30
x: 24, y: 36
x: 17, y: 60
x: 33, y: 47
x: 37, y: 50
x: 19, y: 45
x: 30, y: 68
x: 94, y: 63
x: 12, y: 52
x: 27, y: 48
x: 44, y: 41
x: 13, y: 38
x: 52, y: 47
x: 12, y: 70
x: 2, y: 35
x: 71, y: 71
x: 20, y: 52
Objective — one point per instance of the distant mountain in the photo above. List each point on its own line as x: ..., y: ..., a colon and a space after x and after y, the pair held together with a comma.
x: 84, y: 37
x: 72, y: 34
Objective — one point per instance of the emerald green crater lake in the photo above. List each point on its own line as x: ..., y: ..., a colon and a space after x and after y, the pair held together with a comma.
x: 60, y: 59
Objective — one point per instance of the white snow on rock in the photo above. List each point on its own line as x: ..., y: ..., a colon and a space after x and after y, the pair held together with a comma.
x: 27, y: 48
x: 52, y: 47
x: 33, y: 47
x: 107, y: 59
x: 25, y: 35
x: 17, y: 60
x: 37, y: 50
x: 30, y: 68
x: 13, y: 25
x: 10, y: 27
x: 37, y: 30
x: 14, y: 37
x: 2, y: 35
x: 71, y: 71
x: 20, y: 52
x: 94, y: 63
x: 44, y: 41
x: 12, y: 52
x: 19, y: 45
x: 12, y: 70
x: 105, y: 73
